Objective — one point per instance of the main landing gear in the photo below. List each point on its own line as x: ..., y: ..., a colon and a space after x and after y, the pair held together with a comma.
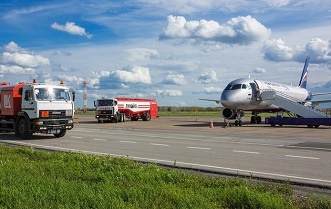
x: 256, y: 119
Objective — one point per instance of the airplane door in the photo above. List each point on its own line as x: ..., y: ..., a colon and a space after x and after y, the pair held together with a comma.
x: 254, y: 90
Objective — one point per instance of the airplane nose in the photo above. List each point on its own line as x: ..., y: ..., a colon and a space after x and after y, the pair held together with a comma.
x: 227, y: 99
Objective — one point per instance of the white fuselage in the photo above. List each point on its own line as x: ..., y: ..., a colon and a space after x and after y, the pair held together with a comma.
x: 244, y: 94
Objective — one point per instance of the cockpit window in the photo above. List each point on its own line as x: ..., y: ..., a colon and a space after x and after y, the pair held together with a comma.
x: 228, y: 87
x: 236, y: 86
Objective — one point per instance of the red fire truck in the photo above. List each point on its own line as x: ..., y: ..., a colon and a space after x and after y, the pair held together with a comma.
x: 28, y: 108
x: 120, y: 108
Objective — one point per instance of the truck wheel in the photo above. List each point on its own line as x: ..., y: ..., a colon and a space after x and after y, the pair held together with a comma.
x: 22, y: 129
x: 115, y: 118
x: 61, y: 134
x: 148, y: 117
x: 123, y: 115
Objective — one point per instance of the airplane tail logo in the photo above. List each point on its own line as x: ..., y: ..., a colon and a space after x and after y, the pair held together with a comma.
x: 304, y: 76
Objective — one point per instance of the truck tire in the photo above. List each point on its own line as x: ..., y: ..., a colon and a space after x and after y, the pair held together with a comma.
x: 147, y: 117
x: 22, y: 129
x: 115, y: 118
x: 61, y: 134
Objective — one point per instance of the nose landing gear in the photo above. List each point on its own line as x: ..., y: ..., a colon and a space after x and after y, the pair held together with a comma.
x: 238, y: 121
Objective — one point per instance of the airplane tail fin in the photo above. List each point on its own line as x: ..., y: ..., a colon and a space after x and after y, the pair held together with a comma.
x: 304, y: 75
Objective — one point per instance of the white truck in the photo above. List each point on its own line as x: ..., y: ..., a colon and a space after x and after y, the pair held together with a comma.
x: 28, y: 108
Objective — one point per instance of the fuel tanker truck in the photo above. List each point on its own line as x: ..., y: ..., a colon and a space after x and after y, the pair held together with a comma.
x: 28, y: 108
x: 119, y: 109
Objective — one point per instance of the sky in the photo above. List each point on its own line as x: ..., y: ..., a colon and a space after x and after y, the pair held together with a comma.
x: 175, y: 51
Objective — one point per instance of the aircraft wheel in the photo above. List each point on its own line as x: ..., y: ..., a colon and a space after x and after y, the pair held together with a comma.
x: 236, y: 123
x: 253, y: 119
x: 258, y: 119
x: 240, y: 123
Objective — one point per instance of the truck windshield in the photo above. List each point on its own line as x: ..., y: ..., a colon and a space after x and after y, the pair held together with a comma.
x: 107, y: 102
x: 53, y: 94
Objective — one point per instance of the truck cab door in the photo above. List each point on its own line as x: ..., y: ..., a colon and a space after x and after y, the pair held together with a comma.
x: 28, y: 101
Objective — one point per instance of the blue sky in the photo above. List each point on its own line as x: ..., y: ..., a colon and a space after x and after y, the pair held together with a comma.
x: 176, y: 51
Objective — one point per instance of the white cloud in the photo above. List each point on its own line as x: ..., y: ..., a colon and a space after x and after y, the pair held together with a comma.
x: 124, y: 78
x: 71, y: 28
x: 240, y: 30
x: 276, y: 50
x: 24, y: 60
x: 208, y: 77
x: 60, y: 68
x: 192, y: 6
x: 175, y: 79
x: 141, y: 54
x: 259, y: 70
x: 211, y: 90
x: 277, y: 3
x: 13, y: 47
x: 168, y: 92
x: 64, y: 53
x: 15, y: 70
x: 14, y: 57
x: 319, y: 50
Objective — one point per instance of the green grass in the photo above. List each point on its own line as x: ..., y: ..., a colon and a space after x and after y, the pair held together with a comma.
x: 39, y: 179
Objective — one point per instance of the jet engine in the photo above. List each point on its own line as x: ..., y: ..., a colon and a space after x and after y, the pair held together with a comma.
x: 228, y: 113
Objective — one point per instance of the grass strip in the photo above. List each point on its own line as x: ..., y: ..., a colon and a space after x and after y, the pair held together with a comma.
x: 40, y: 179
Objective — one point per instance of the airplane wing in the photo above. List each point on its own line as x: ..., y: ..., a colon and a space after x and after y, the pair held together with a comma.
x: 320, y: 94
x: 317, y: 102
x: 212, y: 100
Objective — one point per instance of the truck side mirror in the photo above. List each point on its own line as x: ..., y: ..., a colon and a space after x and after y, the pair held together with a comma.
x: 94, y: 103
x: 73, y: 96
x: 27, y: 95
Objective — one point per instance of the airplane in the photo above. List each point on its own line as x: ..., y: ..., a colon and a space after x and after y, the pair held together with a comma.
x: 244, y: 95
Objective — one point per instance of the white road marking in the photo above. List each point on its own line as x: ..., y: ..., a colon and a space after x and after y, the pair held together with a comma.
x: 130, y: 142
x: 165, y: 145
x: 303, y: 157
x: 248, y: 172
x: 100, y: 139
x: 76, y: 137
x: 205, y: 148
x: 246, y: 152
